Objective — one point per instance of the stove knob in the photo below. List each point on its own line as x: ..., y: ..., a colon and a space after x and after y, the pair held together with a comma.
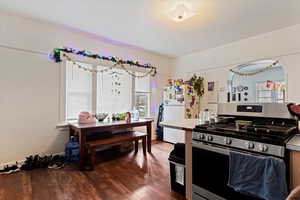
x: 195, y: 135
x: 201, y: 136
x: 227, y: 141
x: 210, y: 138
x: 250, y: 145
x: 263, y: 148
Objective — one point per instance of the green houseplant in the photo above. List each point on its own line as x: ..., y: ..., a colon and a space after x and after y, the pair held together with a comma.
x: 198, y: 84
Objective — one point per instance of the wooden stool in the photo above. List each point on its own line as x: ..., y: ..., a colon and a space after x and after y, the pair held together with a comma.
x: 116, y: 140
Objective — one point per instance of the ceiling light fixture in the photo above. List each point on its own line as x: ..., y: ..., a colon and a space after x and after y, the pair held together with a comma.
x: 181, y: 12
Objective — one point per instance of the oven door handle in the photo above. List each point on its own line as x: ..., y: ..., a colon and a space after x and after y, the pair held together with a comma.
x: 221, y: 150
x: 209, y: 147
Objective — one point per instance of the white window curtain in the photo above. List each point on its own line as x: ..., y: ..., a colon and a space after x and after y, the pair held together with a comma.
x: 114, y: 90
x: 78, y: 90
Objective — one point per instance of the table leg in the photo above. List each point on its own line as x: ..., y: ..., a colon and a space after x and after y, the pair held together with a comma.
x: 83, y: 153
x: 144, y: 145
x: 188, y: 164
x: 149, y: 136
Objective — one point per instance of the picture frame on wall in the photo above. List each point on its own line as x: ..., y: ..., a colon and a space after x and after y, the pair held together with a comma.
x: 211, y: 86
x: 212, y: 92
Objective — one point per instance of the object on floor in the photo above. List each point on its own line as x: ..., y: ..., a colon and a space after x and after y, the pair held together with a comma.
x: 116, y: 140
x: 177, y: 168
x: 72, y: 150
x: 263, y: 177
x: 36, y: 162
x: 9, y: 169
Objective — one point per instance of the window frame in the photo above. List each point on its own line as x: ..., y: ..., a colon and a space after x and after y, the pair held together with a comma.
x: 148, y: 114
x: 63, y: 91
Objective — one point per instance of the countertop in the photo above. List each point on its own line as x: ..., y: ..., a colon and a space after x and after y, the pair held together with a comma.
x: 294, y: 143
x: 187, y: 124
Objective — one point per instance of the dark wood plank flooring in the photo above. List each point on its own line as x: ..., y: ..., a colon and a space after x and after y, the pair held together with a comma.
x: 128, y: 176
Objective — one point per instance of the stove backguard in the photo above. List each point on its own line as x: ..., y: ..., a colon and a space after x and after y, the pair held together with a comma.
x: 266, y: 110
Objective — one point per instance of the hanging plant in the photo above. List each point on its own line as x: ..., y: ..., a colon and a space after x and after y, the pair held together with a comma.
x: 198, y: 84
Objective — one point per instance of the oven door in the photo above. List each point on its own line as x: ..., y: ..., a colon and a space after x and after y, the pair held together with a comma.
x: 210, y: 173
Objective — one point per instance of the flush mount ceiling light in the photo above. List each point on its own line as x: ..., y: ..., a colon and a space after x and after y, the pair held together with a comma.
x: 180, y: 12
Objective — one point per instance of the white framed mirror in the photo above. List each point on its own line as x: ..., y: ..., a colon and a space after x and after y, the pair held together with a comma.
x: 262, y: 81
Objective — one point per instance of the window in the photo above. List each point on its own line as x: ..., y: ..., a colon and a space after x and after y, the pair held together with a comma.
x: 270, y: 91
x: 114, y: 92
x: 107, y: 92
x: 142, y: 95
x: 78, y: 91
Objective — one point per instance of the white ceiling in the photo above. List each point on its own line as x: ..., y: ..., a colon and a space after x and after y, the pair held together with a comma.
x: 144, y: 24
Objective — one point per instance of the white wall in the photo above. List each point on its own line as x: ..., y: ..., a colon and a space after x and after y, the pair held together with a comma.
x: 30, y: 87
x: 214, y: 64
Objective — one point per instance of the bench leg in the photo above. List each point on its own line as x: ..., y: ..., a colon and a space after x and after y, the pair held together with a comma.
x: 136, y: 146
x: 144, y: 145
x: 93, y: 158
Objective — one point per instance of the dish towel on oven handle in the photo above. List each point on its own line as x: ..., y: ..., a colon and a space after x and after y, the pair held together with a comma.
x: 263, y: 177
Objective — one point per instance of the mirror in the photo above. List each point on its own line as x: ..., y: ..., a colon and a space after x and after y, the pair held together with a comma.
x: 259, y: 81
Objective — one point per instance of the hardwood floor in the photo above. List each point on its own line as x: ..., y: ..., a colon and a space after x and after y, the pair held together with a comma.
x: 127, y: 177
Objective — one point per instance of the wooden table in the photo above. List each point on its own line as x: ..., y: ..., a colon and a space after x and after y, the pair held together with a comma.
x: 187, y: 125
x: 83, y: 129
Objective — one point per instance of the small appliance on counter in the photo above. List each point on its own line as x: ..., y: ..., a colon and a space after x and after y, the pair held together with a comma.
x: 254, y: 129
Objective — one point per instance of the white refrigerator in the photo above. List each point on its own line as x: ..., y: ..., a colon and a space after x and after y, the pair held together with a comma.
x: 180, y: 103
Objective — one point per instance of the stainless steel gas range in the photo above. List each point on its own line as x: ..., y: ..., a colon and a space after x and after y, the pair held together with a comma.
x: 259, y: 129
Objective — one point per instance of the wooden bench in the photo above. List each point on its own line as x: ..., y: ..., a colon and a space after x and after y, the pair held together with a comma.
x: 115, y: 140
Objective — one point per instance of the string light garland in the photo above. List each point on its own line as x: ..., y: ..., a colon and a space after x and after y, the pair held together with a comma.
x: 267, y: 68
x: 56, y: 56
x: 152, y: 72
x: 84, y: 67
